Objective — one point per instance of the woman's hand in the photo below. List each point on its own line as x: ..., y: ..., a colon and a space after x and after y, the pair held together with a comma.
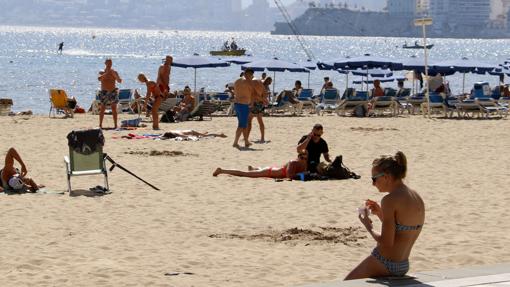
x: 365, y: 219
x: 374, y: 207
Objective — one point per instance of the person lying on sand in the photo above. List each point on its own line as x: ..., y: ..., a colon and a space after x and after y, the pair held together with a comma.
x: 402, y: 213
x: 288, y: 170
x: 13, y: 179
x: 188, y: 134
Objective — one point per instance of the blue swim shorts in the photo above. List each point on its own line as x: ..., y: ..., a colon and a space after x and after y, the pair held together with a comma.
x: 242, y: 112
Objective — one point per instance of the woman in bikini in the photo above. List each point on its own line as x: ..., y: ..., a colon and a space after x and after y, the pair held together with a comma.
x: 153, y: 92
x: 402, y: 213
x: 288, y: 170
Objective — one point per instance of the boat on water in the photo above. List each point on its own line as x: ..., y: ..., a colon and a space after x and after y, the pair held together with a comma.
x: 229, y: 49
x: 416, y: 46
x: 239, y: 52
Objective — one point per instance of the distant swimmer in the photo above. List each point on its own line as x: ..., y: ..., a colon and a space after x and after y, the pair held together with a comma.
x: 60, y: 48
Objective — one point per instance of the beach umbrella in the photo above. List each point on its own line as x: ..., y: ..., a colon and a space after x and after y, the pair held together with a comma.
x: 370, y: 80
x: 309, y: 65
x: 198, y: 62
x: 463, y: 66
x: 377, y: 72
x: 241, y: 59
x: 368, y: 62
x: 275, y: 65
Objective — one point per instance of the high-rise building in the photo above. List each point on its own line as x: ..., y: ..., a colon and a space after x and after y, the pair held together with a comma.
x: 402, y: 7
x: 458, y: 15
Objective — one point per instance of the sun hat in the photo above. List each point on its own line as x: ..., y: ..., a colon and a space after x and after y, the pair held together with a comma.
x: 16, y: 183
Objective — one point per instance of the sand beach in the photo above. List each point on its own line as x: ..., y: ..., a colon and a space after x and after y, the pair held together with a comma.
x: 226, y: 231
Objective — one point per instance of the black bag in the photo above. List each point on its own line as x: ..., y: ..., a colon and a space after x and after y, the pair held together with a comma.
x: 86, y: 141
x: 360, y: 111
x: 337, y: 170
x: 168, y: 117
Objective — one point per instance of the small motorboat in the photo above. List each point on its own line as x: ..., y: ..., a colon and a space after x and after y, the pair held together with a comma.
x: 416, y: 46
x: 239, y: 52
x: 229, y: 49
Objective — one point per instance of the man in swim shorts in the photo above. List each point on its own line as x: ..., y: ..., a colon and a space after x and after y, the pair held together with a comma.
x: 258, y: 103
x: 243, y: 90
x: 163, y: 80
x: 109, y: 94
x: 13, y: 179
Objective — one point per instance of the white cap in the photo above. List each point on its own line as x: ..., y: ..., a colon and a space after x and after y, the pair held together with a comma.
x: 16, y: 183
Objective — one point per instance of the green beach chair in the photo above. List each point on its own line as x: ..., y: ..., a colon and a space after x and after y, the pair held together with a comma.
x: 91, y: 159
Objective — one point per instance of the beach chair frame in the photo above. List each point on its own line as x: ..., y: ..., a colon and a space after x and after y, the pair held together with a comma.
x: 59, y: 103
x: 82, y: 165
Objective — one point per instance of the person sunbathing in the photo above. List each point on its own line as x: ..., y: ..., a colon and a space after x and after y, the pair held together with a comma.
x: 402, y: 213
x: 288, y: 170
x: 13, y: 179
x: 185, y: 107
x: 189, y: 134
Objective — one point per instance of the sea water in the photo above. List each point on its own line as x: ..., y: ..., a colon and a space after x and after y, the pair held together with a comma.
x: 30, y: 64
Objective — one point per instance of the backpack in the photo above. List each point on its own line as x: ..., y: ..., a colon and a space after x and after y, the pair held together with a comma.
x: 337, y: 170
x: 168, y: 117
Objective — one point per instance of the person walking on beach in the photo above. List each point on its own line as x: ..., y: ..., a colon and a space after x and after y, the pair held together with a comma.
x: 163, y: 80
x: 402, y: 213
x: 154, y: 94
x: 243, y: 90
x: 109, y: 94
x: 60, y: 48
x: 258, y: 103
x: 316, y: 146
x: 13, y: 179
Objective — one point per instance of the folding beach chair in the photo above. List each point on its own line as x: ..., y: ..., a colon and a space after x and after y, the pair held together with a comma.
x: 59, y: 103
x: 86, y: 155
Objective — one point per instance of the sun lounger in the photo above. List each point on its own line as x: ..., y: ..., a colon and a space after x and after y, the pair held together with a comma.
x: 306, y: 97
x: 435, y: 102
x: 351, y: 103
x: 203, y: 109
x: 383, y: 104
x: 329, y: 102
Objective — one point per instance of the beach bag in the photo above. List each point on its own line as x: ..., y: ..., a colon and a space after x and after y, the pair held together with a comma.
x: 337, y: 170
x: 359, y: 111
x: 168, y: 117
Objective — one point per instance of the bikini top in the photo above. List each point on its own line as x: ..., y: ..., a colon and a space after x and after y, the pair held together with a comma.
x: 400, y: 227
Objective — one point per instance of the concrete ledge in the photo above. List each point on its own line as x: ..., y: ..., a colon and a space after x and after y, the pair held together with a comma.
x: 479, y: 275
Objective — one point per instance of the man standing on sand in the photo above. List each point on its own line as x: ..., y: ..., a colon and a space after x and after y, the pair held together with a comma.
x: 258, y: 103
x: 243, y: 90
x: 109, y: 94
x: 163, y: 80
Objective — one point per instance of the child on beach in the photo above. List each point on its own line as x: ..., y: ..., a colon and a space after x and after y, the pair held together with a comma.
x: 402, y: 213
x: 154, y: 93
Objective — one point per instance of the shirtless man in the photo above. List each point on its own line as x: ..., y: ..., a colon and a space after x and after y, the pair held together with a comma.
x: 109, y: 94
x: 14, y: 179
x: 163, y: 80
x: 243, y: 89
x: 258, y: 102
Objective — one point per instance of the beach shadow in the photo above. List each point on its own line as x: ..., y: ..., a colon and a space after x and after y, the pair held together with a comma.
x: 397, y: 281
x: 87, y: 193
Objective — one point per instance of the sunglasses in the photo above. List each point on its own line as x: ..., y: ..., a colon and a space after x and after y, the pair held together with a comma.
x: 317, y: 135
x: 375, y: 177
